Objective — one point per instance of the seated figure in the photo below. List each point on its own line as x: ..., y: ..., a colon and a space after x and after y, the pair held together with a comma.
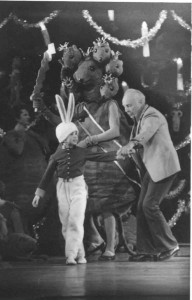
x: 14, y: 243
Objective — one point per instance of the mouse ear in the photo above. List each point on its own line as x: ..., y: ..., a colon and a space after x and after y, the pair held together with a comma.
x: 61, y: 108
x: 71, y: 107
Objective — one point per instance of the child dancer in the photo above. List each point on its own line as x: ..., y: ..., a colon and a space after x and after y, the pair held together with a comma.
x: 68, y: 161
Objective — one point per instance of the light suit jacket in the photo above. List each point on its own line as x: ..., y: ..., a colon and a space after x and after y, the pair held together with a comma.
x: 159, y: 155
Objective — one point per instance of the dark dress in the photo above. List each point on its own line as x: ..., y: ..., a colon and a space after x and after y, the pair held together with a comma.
x: 109, y: 189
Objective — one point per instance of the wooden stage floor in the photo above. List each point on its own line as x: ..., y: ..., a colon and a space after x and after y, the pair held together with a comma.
x: 120, y: 279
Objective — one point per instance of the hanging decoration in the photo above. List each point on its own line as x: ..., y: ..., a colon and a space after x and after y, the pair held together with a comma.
x: 177, y: 191
x: 4, y: 22
x: 141, y: 41
x: 50, y: 46
x: 180, y: 21
x: 124, y: 86
x: 179, y: 63
x: 128, y: 43
x: 111, y: 15
x: 47, y: 57
x: 27, y: 25
x: 180, y: 209
x: 184, y: 143
x: 45, y: 33
x: 144, y: 32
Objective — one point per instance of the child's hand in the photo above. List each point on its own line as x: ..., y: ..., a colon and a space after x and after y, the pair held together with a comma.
x: 82, y: 144
x: 119, y: 156
x: 35, y: 201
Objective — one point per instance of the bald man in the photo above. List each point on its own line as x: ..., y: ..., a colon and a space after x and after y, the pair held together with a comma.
x: 152, y: 150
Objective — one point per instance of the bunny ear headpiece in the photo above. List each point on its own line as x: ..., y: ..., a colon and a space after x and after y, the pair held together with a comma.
x: 66, y: 116
x: 66, y: 127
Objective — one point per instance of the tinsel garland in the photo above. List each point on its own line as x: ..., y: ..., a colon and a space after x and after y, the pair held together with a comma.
x: 184, y: 143
x: 4, y: 22
x: 176, y: 192
x: 180, y: 21
x: 180, y: 209
x: 128, y: 43
x: 25, y: 24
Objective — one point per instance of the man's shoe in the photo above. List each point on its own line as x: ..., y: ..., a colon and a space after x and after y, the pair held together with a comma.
x: 168, y: 254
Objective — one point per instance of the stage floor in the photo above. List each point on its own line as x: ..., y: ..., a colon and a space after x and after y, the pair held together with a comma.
x: 53, y: 280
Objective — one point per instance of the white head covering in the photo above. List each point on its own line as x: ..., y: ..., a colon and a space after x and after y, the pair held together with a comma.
x: 66, y: 127
x: 63, y: 130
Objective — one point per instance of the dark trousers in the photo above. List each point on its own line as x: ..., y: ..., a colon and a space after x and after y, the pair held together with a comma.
x: 153, y: 232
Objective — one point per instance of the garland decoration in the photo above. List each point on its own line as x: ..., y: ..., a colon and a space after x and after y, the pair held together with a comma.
x: 128, y: 43
x: 180, y: 209
x: 177, y: 191
x: 183, y: 144
x: 4, y: 22
x: 27, y: 25
x: 180, y: 21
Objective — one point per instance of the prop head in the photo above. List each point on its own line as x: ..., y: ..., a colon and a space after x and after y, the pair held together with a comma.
x: 71, y: 56
x: 176, y: 115
x: 89, y: 73
x: 110, y: 87
x: 101, y: 51
x: 115, y: 66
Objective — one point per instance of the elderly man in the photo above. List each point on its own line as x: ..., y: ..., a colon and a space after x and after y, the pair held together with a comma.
x: 151, y: 148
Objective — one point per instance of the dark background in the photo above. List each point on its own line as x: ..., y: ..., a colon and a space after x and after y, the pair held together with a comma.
x: 171, y: 41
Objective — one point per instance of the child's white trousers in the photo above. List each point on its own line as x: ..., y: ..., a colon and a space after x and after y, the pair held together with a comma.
x: 72, y: 199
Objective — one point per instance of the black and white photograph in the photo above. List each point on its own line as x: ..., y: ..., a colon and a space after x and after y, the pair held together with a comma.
x: 95, y: 150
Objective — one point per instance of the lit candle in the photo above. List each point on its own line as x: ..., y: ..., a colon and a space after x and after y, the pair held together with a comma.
x: 179, y: 75
x: 51, y: 50
x: 124, y: 86
x: 144, y: 32
x: 111, y: 15
x: 45, y: 33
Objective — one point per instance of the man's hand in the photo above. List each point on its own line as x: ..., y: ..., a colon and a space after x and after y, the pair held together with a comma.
x: 126, y: 150
x: 35, y: 201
